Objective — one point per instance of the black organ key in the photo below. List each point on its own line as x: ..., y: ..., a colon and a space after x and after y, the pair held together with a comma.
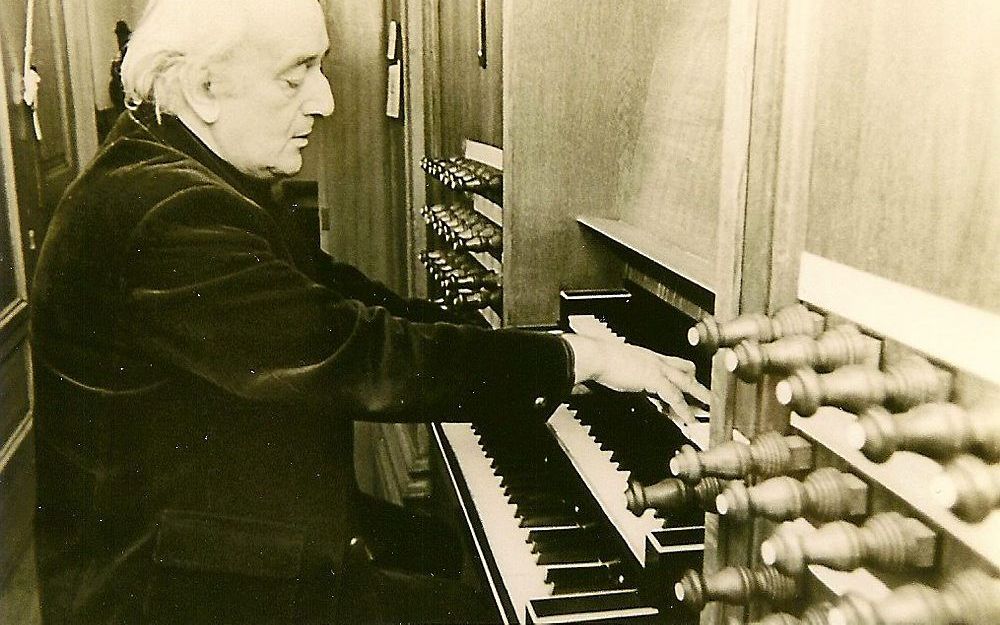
x: 576, y: 577
x: 573, y: 541
x: 642, y: 439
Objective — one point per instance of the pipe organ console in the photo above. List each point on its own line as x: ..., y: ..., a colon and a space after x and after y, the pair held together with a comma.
x: 801, y: 197
x: 600, y: 515
x: 851, y: 397
x: 559, y: 515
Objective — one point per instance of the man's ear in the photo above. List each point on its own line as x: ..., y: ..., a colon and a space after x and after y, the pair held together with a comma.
x: 201, y: 94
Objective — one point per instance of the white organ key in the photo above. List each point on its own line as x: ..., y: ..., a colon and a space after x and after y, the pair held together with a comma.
x: 518, y: 566
x: 605, y: 481
x: 589, y: 325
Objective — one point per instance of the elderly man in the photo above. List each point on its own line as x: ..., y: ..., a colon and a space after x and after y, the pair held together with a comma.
x: 197, y: 365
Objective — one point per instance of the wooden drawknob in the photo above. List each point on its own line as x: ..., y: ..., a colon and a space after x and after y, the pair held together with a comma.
x: 736, y: 585
x: 887, y: 541
x: 909, y: 382
x: 795, y: 319
x: 826, y: 494
x: 672, y: 494
x: 838, y: 346
x: 938, y: 430
x: 769, y: 454
x: 971, y: 597
x: 968, y: 487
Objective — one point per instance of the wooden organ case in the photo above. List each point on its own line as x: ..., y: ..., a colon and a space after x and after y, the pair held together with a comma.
x: 805, y: 198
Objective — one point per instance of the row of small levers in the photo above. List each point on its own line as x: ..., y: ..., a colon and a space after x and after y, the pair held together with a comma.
x: 900, y: 406
x: 463, y: 174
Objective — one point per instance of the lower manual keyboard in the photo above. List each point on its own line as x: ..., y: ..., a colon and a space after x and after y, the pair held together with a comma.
x: 557, y: 557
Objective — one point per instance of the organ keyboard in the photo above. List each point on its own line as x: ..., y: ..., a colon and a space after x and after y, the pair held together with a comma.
x: 547, y: 510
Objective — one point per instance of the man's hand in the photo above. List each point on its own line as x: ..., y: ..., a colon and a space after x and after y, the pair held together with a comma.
x: 629, y: 368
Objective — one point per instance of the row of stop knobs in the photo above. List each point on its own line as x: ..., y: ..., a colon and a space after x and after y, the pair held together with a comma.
x: 463, y: 174
x: 464, y: 228
x: 970, y: 597
x: 888, y: 541
x: 837, y: 366
x: 466, y: 284
x: 901, y: 406
x: 717, y: 481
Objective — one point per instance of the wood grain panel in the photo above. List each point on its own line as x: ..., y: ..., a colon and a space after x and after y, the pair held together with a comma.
x: 905, y: 179
x: 363, y: 186
x: 671, y: 188
x: 9, y: 253
x: 42, y: 168
x: 17, y: 502
x: 574, y: 98
x: 471, y: 97
x: 13, y: 387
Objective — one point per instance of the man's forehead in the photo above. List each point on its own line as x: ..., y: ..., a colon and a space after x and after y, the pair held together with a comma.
x: 292, y: 31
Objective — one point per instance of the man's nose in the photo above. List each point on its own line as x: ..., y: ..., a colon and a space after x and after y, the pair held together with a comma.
x: 320, y: 99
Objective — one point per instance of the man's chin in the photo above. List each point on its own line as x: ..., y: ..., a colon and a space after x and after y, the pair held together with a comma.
x: 284, y: 170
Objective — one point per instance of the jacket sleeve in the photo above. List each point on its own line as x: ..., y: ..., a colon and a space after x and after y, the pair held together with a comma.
x: 207, y: 289
x: 352, y: 283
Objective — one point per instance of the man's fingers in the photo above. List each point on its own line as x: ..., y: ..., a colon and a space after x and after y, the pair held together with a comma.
x: 694, y: 388
x: 670, y: 394
x: 683, y: 364
x: 688, y: 384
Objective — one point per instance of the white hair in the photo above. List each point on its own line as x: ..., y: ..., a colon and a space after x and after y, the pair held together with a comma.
x: 173, y: 37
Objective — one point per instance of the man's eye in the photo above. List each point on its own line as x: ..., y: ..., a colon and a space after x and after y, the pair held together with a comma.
x: 295, y: 79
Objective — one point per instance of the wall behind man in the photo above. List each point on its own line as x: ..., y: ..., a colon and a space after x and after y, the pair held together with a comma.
x: 102, y: 15
x: 362, y: 181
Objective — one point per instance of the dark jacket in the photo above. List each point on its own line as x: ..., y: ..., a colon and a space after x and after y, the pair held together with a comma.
x: 197, y: 366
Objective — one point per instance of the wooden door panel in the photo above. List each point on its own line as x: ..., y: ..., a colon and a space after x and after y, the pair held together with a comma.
x: 54, y: 108
x: 13, y: 378
x: 43, y: 168
x: 35, y: 174
x: 8, y: 264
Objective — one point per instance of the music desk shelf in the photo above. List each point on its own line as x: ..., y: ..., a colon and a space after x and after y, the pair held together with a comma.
x: 663, y: 253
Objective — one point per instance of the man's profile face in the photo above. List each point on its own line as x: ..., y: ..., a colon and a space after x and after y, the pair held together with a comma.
x: 272, y: 89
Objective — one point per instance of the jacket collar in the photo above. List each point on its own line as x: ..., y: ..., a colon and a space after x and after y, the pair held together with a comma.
x: 171, y: 131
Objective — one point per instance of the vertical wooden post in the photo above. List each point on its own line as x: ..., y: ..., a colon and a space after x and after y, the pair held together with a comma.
x: 734, y: 162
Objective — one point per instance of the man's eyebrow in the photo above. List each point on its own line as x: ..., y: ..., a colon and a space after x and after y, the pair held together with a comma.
x: 304, y: 58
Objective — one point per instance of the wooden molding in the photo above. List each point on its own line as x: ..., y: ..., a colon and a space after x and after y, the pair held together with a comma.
x: 953, y: 333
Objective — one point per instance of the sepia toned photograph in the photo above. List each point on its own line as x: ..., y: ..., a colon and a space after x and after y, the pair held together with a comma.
x: 519, y: 312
